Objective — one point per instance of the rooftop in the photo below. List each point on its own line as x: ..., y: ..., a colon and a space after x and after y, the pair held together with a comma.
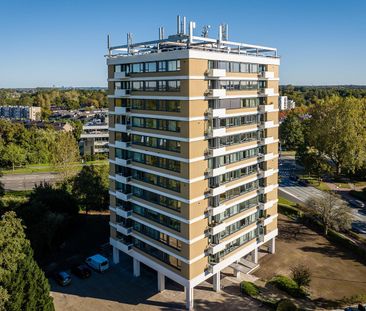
x: 183, y: 41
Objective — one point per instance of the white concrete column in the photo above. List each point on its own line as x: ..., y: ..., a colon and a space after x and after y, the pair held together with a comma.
x: 272, y: 246
x: 216, y: 282
x: 115, y: 255
x: 189, y: 297
x: 161, y: 281
x: 255, y: 255
x: 136, y: 268
x: 236, y: 273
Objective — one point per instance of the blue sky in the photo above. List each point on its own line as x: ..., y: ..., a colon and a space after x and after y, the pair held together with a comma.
x: 62, y: 43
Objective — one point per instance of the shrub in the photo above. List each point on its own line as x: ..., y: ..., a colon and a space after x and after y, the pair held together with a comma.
x: 286, y: 305
x: 287, y: 285
x: 249, y: 288
x: 301, y: 275
x: 361, y: 298
x: 289, y: 210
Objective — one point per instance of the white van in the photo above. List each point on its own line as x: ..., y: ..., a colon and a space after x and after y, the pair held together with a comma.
x: 98, y: 262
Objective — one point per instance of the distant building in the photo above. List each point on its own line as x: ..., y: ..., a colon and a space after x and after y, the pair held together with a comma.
x: 57, y: 126
x: 94, y: 138
x: 20, y: 113
x: 285, y: 104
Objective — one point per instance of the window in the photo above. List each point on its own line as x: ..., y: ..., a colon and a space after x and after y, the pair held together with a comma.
x: 150, y: 67
x: 118, y: 68
x: 162, y: 66
x: 137, y: 85
x: 159, y: 143
x: 156, y: 105
x: 173, y: 65
x: 158, y: 199
x: 150, y: 86
x: 167, y: 164
x: 136, y: 68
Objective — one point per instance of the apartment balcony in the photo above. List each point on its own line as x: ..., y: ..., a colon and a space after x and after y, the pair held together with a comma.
x: 216, y: 132
x: 267, y: 140
x: 123, y: 211
x: 121, y: 110
x: 121, y: 92
x: 267, y: 124
x: 125, y: 229
x: 122, y: 127
x: 123, y: 162
x: 267, y: 92
x: 121, y: 244
x: 122, y: 144
x: 267, y: 74
x: 266, y: 108
x: 215, y: 152
x: 216, y: 73
x: 123, y: 179
x: 216, y: 93
x: 123, y: 196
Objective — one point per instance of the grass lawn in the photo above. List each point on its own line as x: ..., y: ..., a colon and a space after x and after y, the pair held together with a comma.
x: 288, y: 153
x: 282, y: 200
x: 315, y: 182
x: 45, y: 168
x: 15, y: 197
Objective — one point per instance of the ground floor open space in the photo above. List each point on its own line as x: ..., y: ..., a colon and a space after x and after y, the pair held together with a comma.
x: 336, y: 273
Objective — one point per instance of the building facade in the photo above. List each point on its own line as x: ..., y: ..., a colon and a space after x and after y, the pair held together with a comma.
x: 285, y: 104
x: 94, y: 139
x: 193, y: 155
x: 20, y: 113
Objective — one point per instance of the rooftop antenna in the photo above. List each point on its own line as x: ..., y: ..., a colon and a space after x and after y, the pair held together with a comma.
x: 161, y: 33
x: 184, y: 26
x: 192, y: 25
x: 129, y: 42
x: 108, y: 45
x: 205, y: 30
x: 225, y: 32
x: 178, y: 25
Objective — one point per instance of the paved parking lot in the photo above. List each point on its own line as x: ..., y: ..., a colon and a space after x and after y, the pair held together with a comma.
x: 117, y: 289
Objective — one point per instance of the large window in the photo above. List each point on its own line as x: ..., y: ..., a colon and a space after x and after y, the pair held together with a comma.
x: 156, y: 124
x: 158, y: 143
x: 155, y: 161
x: 157, y: 199
x: 155, y: 105
x: 156, y: 180
x: 232, y: 193
x: 160, y: 66
x: 234, y: 157
x: 152, y: 251
x: 156, y: 217
x: 239, y: 138
x: 157, y: 235
x: 236, y: 67
x: 238, y: 121
x: 232, y: 85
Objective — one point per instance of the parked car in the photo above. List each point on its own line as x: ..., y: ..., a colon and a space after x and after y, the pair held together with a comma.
x: 98, y: 262
x: 63, y: 278
x: 82, y: 271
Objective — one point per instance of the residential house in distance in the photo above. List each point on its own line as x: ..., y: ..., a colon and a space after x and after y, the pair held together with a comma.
x: 285, y: 104
x: 193, y: 154
x: 94, y: 138
x: 29, y: 113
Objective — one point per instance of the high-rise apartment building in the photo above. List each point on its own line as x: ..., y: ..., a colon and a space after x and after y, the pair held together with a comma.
x: 193, y: 154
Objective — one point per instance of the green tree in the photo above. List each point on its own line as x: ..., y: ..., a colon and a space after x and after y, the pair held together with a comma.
x: 65, y: 152
x: 292, y: 132
x: 13, y: 154
x: 90, y: 187
x: 331, y: 211
x: 23, y: 285
x: 338, y: 132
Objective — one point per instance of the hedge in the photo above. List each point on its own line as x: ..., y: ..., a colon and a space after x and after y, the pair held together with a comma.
x: 286, y: 305
x: 249, y: 288
x: 287, y: 285
x: 289, y: 210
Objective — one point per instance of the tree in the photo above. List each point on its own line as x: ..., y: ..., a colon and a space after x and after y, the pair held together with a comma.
x: 291, y: 132
x: 13, y: 154
x: 301, y: 274
x: 90, y: 187
x: 337, y: 130
x: 23, y: 285
x: 65, y: 153
x: 331, y: 211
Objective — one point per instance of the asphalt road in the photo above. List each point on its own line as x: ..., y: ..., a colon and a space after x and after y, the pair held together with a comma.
x: 20, y: 182
x: 291, y: 190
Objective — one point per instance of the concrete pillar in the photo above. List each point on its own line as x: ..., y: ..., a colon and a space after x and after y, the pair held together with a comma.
x: 255, y: 255
x: 216, y: 282
x: 115, y: 255
x: 236, y: 273
x: 272, y: 246
x: 136, y: 268
x: 189, y: 297
x: 161, y: 281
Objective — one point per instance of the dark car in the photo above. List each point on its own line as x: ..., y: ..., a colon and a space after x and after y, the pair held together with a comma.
x: 63, y: 278
x: 82, y: 271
